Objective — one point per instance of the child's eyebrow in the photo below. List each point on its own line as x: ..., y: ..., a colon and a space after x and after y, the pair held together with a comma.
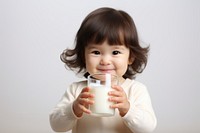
x: 119, y: 47
x: 92, y: 46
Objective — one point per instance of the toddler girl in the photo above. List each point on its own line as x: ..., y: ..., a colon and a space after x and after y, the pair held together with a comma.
x: 106, y: 42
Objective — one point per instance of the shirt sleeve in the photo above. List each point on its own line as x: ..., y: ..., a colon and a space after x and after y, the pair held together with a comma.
x: 62, y: 117
x: 140, y: 118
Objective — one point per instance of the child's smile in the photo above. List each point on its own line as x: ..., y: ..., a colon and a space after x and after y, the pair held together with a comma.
x: 106, y: 70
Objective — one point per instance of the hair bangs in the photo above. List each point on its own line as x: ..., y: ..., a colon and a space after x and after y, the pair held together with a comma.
x: 113, y: 37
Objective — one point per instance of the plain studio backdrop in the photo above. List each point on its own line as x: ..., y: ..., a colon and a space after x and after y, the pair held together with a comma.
x: 32, y: 78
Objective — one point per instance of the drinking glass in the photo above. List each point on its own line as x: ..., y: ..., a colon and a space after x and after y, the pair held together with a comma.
x: 100, y: 85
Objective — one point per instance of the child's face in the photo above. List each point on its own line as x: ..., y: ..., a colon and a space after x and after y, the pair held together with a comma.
x: 105, y: 58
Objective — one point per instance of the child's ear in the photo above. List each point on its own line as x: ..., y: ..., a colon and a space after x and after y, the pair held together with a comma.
x: 131, y: 60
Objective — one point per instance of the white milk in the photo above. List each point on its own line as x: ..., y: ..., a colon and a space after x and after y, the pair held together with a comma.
x: 101, y: 103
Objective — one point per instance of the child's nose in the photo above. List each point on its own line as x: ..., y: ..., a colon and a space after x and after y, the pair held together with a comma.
x: 105, y: 60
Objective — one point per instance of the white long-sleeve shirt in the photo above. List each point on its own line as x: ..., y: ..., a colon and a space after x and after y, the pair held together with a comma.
x: 139, y: 119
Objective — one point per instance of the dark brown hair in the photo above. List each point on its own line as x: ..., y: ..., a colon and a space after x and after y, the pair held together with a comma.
x: 115, y: 26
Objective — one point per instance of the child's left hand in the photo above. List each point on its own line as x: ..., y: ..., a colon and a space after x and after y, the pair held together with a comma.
x: 118, y: 96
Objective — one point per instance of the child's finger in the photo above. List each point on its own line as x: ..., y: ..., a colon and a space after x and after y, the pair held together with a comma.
x: 117, y: 105
x: 86, y: 95
x: 116, y: 99
x: 84, y: 109
x: 115, y: 93
x: 85, y: 101
x: 86, y: 89
x: 117, y: 88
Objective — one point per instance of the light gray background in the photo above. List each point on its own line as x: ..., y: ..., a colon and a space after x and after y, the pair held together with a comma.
x: 33, y: 79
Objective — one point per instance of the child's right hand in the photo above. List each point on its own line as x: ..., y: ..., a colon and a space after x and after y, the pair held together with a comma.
x: 82, y: 102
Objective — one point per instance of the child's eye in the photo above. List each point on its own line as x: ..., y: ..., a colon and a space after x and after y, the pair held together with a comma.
x: 96, y: 52
x: 116, y: 52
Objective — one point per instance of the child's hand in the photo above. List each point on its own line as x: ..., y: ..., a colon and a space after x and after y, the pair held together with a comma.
x: 82, y: 102
x: 118, y: 96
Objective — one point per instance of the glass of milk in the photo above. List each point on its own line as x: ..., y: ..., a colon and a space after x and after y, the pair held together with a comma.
x: 100, y: 85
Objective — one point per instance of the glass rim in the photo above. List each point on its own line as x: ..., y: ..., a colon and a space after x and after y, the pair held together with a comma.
x: 92, y: 75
